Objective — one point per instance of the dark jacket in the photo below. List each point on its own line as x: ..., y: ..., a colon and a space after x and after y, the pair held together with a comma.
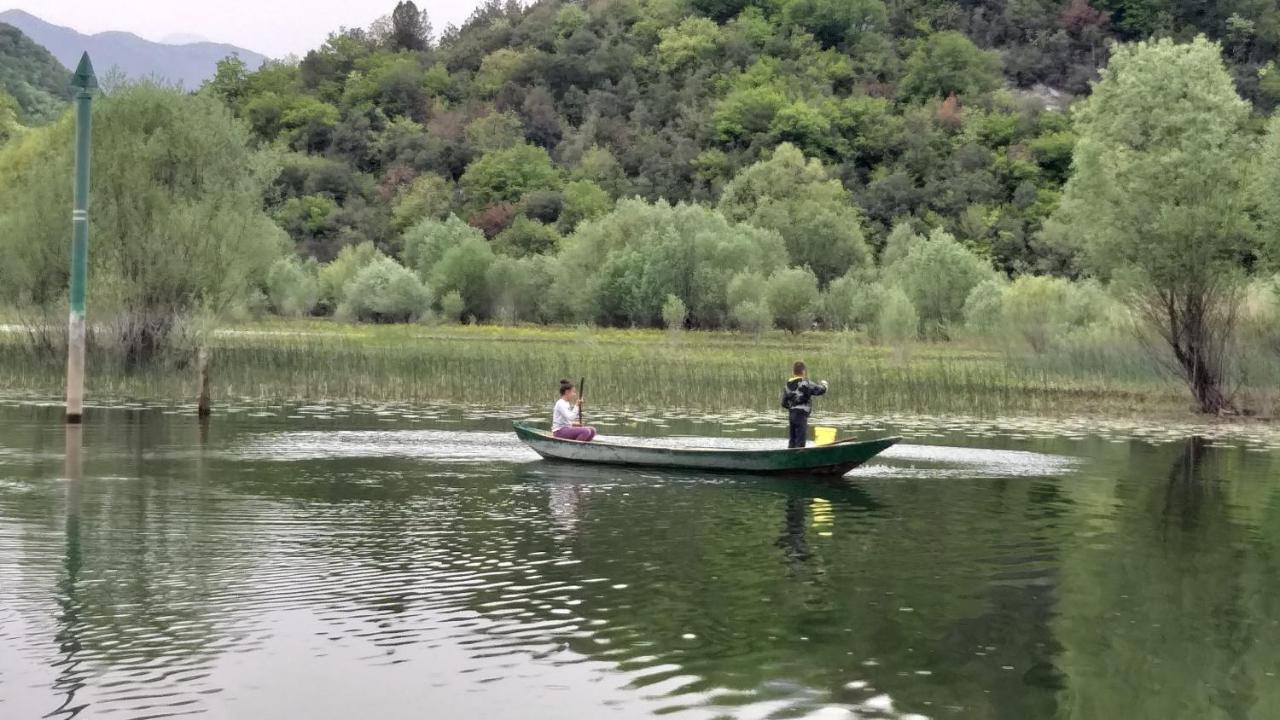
x: 797, y: 393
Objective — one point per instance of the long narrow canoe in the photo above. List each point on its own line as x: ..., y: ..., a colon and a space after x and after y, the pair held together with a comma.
x: 837, y: 458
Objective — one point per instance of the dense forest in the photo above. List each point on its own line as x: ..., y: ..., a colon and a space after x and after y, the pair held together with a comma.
x: 915, y: 169
x: 33, y: 85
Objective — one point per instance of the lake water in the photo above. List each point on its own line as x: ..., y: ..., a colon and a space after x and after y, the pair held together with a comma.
x: 393, y: 562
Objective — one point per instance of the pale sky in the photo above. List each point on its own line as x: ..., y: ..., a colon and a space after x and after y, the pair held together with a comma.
x: 273, y: 27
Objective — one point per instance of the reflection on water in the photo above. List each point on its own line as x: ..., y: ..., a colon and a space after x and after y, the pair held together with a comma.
x: 331, y: 566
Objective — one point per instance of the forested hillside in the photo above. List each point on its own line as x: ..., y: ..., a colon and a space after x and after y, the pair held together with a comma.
x: 36, y: 84
x: 940, y: 112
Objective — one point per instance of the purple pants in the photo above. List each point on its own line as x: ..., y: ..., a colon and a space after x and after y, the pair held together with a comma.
x: 583, y: 433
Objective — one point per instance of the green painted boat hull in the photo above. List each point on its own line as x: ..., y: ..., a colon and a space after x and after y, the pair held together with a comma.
x: 837, y: 458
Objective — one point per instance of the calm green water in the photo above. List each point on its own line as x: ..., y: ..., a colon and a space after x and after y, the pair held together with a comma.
x: 397, y: 563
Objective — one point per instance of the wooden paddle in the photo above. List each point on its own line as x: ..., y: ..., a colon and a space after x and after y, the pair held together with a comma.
x: 581, y: 383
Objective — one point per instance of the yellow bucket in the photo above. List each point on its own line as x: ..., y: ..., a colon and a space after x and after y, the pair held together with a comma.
x: 824, y: 435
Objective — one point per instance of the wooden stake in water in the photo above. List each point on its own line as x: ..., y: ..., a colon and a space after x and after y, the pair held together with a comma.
x: 203, y: 400
x: 85, y: 82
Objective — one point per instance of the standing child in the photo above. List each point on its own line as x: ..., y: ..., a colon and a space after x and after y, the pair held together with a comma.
x: 565, y: 423
x: 796, y: 398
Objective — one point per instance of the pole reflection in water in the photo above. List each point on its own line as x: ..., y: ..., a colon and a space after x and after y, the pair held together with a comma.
x: 70, y: 680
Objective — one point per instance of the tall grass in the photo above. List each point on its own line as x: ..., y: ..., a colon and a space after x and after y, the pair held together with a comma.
x: 318, y: 360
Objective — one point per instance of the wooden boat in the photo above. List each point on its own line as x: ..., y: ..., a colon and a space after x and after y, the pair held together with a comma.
x: 837, y: 458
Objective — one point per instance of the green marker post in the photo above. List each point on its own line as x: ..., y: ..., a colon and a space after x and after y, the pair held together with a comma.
x: 85, y: 82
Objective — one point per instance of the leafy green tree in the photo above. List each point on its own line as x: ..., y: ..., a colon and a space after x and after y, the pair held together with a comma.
x: 499, y: 68
x: 938, y: 275
x: 800, y: 201
x: 899, y: 243
x: 178, y: 227
x: 746, y: 287
x: 898, y: 324
x: 9, y: 126
x: 583, y: 200
x: 948, y: 63
x: 495, y: 131
x: 506, y: 175
x: 452, y: 306
x: 1265, y: 192
x: 753, y: 316
x: 410, y: 29
x: 385, y: 291
x: 836, y: 22
x: 619, y: 268
x: 427, y: 242
x: 32, y: 77
x: 792, y: 295
x: 984, y: 308
x: 518, y: 287
x: 674, y: 313
x: 1037, y: 310
x: 598, y: 165
x: 430, y: 197
x: 853, y: 300
x: 1157, y: 192
x: 291, y: 289
x: 334, y: 277
x: 690, y: 44
x: 527, y: 237
x: 463, y: 268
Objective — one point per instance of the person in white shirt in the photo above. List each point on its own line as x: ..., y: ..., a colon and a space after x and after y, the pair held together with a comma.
x: 565, y: 418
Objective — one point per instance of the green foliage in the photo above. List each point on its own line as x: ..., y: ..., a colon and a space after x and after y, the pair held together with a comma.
x: 385, y: 291
x: 31, y: 76
x: 937, y: 275
x: 1036, y: 309
x: 898, y: 323
x: 689, y: 44
x: 506, y: 175
x: 410, y: 29
x: 463, y: 268
x: 9, y: 126
x: 798, y: 199
x: 498, y: 68
x: 792, y: 295
x: 853, y: 301
x: 428, y: 198
x: 518, y: 287
x: 178, y: 227
x: 753, y: 316
x: 527, y: 237
x: 452, y: 306
x: 495, y: 131
x: 291, y: 289
x: 334, y: 278
x: 674, y: 313
x: 427, y: 242
x: 583, y: 200
x: 984, y: 308
x: 1265, y: 191
x: 948, y: 63
x: 619, y: 268
x: 1159, y: 184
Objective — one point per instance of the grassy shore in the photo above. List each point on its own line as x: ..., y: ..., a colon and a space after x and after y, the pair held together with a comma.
x: 313, y: 360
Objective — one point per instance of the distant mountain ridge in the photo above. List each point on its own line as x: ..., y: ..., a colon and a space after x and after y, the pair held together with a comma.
x: 188, y: 65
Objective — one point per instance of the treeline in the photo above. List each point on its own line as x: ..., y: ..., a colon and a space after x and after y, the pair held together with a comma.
x: 703, y: 165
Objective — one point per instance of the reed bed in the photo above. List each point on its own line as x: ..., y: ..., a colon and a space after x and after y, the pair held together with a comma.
x: 319, y: 360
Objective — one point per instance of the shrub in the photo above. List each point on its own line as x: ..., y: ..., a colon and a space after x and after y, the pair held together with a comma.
x: 463, y: 268
x: 792, y: 294
x: 451, y: 307
x: 753, y: 316
x: 938, y: 275
x: 674, y: 313
x: 291, y: 289
x: 385, y: 291
x: 852, y: 301
x: 337, y: 275
x: 898, y: 322
x: 984, y: 308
